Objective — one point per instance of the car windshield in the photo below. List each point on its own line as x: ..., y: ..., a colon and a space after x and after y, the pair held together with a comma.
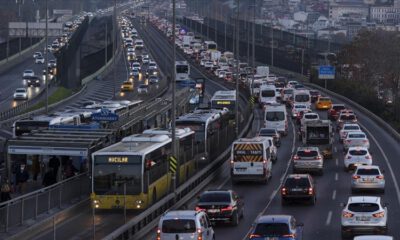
x: 307, y: 153
x: 300, y: 106
x: 294, y: 182
x: 143, y: 86
x: 267, y: 132
x: 215, y: 197
x: 324, y: 99
x: 356, y: 135
x: 288, y: 91
x: 363, y: 207
x: 268, y: 93
x: 338, y: 107
x: 275, y: 116
x: 360, y: 152
x: 20, y: 90
x: 366, y: 171
x: 347, y: 117
x: 314, y: 93
x: 178, y: 226
x: 351, y: 128
x: 311, y: 116
x: 272, y: 229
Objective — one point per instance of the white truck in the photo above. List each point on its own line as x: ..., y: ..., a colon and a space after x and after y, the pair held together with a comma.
x: 215, y: 56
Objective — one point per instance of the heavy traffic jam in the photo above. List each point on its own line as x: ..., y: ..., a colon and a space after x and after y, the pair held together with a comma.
x: 319, y: 123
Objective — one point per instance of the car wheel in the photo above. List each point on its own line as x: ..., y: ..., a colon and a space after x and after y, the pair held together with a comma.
x: 235, y: 219
x: 345, y: 235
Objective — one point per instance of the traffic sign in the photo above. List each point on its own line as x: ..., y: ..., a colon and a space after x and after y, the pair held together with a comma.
x: 172, y: 164
x: 105, y: 115
x: 326, y: 72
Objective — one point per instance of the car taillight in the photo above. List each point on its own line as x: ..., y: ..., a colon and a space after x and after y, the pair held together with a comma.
x: 380, y: 177
x: 254, y: 236
x: 289, y: 236
x: 199, y: 234
x: 198, y: 209
x: 158, y: 234
x: 295, y: 157
x: 367, y: 157
x: 283, y: 191
x: 379, y: 215
x: 356, y: 177
x: 347, y: 214
x: 317, y: 158
x: 365, y: 141
x: 348, y: 141
x: 310, y: 191
x: 228, y: 208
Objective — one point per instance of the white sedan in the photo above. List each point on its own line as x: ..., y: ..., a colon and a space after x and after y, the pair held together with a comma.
x: 355, y: 139
x: 348, y: 127
x: 357, y: 156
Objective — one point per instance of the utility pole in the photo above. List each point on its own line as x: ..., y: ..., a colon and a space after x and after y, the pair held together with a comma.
x: 105, y: 49
x: 272, y: 45
x: 173, y: 103
x: 253, y: 60
x: 46, y: 79
x: 237, y: 70
x: 114, y: 47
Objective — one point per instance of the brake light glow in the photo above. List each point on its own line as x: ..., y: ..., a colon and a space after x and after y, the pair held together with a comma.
x: 356, y: 177
x: 318, y: 157
x: 199, y: 234
x: 229, y: 208
x: 365, y: 141
x: 199, y: 209
x: 379, y: 215
x: 347, y: 214
x: 367, y: 157
x: 380, y: 177
x: 289, y: 236
x: 284, y: 191
x: 254, y: 236
x: 310, y: 191
x: 295, y: 157
x: 158, y: 234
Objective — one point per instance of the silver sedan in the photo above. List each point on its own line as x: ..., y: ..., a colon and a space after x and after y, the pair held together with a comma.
x: 368, y: 178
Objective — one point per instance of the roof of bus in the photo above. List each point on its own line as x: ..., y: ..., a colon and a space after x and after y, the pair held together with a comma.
x: 252, y: 140
x: 202, y: 115
x: 181, y: 63
x: 137, y: 144
x: 179, y: 132
x: 226, y: 95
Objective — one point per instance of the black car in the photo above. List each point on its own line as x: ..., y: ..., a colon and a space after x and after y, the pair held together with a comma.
x: 314, y: 95
x: 221, y: 206
x: 271, y: 132
x: 33, y: 81
x: 298, y: 187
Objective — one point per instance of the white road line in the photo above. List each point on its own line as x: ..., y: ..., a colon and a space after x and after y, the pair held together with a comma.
x: 328, y: 218
x: 336, y: 176
x: 277, y: 189
x: 337, y: 161
x: 334, y: 195
x: 396, y: 185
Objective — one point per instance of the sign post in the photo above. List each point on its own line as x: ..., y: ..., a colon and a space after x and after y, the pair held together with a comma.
x: 326, y: 73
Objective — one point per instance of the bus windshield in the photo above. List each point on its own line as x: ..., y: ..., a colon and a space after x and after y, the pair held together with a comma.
x: 110, y: 173
x: 220, y: 104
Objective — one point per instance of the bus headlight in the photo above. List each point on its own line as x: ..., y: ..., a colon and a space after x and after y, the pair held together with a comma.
x: 139, y: 201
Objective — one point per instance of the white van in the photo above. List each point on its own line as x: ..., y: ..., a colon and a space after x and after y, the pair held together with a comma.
x: 251, y: 160
x: 267, y: 95
x: 275, y: 117
x: 302, y: 96
x: 185, y: 224
x: 139, y: 44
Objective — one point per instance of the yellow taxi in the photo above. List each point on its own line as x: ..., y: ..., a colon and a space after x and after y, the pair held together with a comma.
x: 127, y: 86
x: 323, y: 103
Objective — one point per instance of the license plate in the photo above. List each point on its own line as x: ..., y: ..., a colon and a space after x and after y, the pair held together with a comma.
x: 213, y: 210
x: 363, y: 219
x: 297, y: 189
x: 368, y: 180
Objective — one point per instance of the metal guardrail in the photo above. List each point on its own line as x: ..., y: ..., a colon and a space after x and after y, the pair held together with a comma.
x: 389, y: 129
x: 30, y: 206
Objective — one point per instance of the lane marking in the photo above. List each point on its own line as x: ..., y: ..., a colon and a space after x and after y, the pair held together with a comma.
x: 337, y: 162
x: 277, y: 189
x: 328, y: 218
x: 334, y: 195
x: 336, y: 176
x: 396, y: 185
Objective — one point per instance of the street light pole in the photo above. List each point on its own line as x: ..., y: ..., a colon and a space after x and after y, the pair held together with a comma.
x: 46, y: 79
x: 237, y: 71
x: 253, y: 60
x: 173, y: 102
x: 272, y: 45
x: 114, y: 46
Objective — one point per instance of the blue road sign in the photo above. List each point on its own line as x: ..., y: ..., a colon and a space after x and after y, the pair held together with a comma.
x: 326, y: 72
x: 105, y: 115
